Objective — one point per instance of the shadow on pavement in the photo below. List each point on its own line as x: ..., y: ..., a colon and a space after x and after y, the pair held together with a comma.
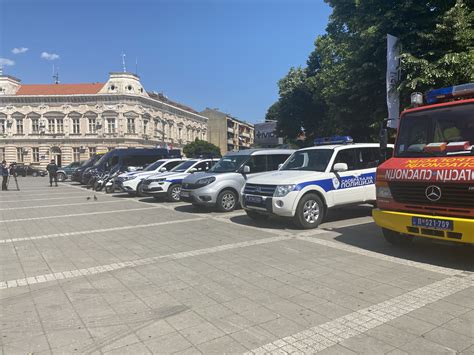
x: 189, y: 208
x: 333, y: 215
x: 150, y: 200
x: 343, y: 213
x: 120, y: 195
x: 369, y: 237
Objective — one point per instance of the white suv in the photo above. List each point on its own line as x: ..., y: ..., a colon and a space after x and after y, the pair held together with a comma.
x: 132, y: 182
x: 169, y: 184
x: 313, y: 180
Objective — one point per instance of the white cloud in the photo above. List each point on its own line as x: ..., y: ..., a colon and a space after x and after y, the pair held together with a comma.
x: 6, y: 62
x: 49, y: 56
x: 19, y: 50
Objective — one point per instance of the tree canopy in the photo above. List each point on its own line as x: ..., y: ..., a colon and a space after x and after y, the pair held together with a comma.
x: 200, y: 148
x: 342, y: 88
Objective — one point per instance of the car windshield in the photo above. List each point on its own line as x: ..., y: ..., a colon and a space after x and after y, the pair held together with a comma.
x: 311, y: 160
x: 229, y: 163
x: 87, y: 162
x: 154, y: 166
x: 102, y: 160
x: 181, y: 168
x: 425, y: 133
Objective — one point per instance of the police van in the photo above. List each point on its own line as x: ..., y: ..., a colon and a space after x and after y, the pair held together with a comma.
x: 335, y: 172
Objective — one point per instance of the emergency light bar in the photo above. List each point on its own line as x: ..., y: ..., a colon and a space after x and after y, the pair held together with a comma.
x: 440, y: 95
x: 333, y: 140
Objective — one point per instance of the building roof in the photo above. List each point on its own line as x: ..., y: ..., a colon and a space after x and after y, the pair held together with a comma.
x: 59, y: 89
x: 226, y: 115
x: 163, y: 98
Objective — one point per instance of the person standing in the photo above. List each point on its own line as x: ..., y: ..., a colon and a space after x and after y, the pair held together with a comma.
x: 4, y: 173
x: 52, y: 169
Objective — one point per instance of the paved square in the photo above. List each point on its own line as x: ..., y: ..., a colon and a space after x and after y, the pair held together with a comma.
x: 133, y: 275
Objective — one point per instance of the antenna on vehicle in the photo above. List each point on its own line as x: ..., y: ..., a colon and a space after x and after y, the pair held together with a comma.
x: 124, y: 68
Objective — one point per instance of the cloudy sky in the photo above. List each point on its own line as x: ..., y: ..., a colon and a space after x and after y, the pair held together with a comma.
x: 227, y: 54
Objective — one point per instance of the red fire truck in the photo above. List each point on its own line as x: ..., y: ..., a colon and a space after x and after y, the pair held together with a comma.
x: 427, y: 188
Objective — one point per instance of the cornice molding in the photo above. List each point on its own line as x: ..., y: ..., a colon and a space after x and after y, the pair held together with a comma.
x: 97, y: 99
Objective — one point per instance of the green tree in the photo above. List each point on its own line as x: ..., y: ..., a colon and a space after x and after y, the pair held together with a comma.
x: 342, y: 88
x: 200, y: 148
x: 450, y: 60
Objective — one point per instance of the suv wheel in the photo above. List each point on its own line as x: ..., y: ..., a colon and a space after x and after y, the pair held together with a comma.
x: 61, y: 177
x: 139, y: 192
x: 257, y: 216
x: 310, y: 212
x: 173, y: 193
x: 226, y: 201
x: 396, y: 238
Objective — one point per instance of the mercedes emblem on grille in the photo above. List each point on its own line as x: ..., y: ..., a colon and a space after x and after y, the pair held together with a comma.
x: 433, y: 193
x: 258, y: 189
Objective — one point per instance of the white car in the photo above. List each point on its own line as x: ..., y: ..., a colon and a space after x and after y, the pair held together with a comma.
x: 169, y: 184
x: 220, y: 187
x: 313, y: 180
x: 131, y: 182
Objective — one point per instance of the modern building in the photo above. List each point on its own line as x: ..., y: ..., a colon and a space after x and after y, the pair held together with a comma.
x: 70, y: 122
x: 227, y: 132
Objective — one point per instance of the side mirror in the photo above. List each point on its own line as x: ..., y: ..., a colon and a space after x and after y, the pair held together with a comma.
x: 246, y: 169
x: 162, y: 170
x: 279, y: 166
x: 340, y: 167
x: 192, y: 170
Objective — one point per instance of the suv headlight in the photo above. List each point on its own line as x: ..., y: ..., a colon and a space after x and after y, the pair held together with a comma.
x: 283, y: 190
x: 383, y: 192
x: 206, y: 181
x: 156, y: 180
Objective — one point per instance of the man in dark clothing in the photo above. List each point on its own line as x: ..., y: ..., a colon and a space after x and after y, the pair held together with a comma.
x: 4, y: 173
x: 52, y: 170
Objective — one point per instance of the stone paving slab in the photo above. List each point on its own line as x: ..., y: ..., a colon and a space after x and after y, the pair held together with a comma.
x: 213, y: 283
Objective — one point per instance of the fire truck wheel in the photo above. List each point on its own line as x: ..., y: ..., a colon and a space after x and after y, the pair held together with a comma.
x: 396, y: 238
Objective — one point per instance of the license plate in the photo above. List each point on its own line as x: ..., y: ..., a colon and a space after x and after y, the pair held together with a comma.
x: 432, y: 223
x: 184, y: 193
x: 253, y: 199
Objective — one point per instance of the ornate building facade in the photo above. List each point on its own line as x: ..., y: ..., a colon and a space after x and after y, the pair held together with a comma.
x: 70, y: 122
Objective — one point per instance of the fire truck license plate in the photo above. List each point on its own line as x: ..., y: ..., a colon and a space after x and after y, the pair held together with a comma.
x: 432, y: 223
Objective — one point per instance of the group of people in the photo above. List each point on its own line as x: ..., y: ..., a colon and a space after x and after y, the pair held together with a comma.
x: 7, y: 170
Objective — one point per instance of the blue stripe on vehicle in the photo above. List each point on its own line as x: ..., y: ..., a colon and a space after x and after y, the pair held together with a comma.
x: 175, y: 181
x: 346, y: 182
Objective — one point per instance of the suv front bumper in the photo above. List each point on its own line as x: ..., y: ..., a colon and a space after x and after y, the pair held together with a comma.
x: 278, y: 206
x: 204, y: 196
x: 401, y: 222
